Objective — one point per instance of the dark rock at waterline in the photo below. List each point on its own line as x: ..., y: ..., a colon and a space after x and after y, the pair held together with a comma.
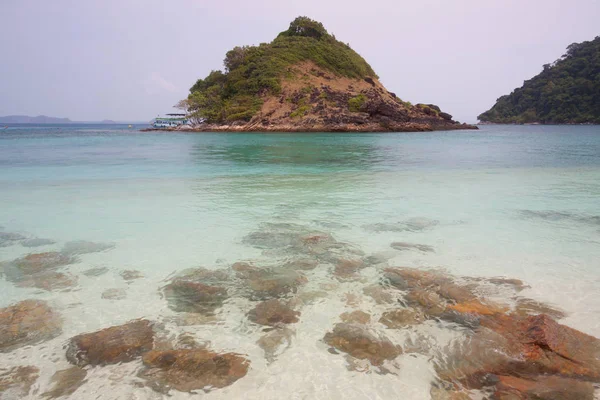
x: 359, y: 342
x: 16, y: 382
x: 187, y: 296
x: 27, y: 323
x: 525, y: 307
x: 542, y: 388
x: 192, y: 369
x: 516, y: 284
x: 83, y: 247
x: 66, y: 382
x: 37, y: 242
x: 412, y: 246
x: 273, y: 312
x: 112, y: 345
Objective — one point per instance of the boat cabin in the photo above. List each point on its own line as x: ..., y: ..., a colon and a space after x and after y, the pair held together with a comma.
x: 170, y: 121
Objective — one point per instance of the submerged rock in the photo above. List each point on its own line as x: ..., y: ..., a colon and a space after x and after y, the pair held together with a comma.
x: 187, y: 296
x: 410, y: 278
x: 10, y: 239
x: 542, y: 388
x: 357, y: 317
x: 273, y: 312
x: 429, y: 302
x: 131, y: 275
x: 412, y: 246
x: 274, y: 283
x: 303, y: 264
x: 379, y: 294
x: 27, y: 323
x: 36, y: 263
x: 66, y: 382
x: 114, y: 294
x: 401, y: 318
x: 347, y: 268
x: 112, y: 345
x: 410, y: 225
x: 37, y: 242
x: 16, y: 382
x: 196, y: 369
x: 360, y: 343
x: 516, y: 284
x: 49, y: 281
x: 275, y: 342
x: 83, y: 247
x: 526, y: 307
x: 96, y: 271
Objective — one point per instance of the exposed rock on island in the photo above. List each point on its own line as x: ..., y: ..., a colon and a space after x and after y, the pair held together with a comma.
x: 304, y: 81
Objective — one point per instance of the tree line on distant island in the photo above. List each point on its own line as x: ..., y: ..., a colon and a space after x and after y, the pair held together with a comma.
x: 566, y: 91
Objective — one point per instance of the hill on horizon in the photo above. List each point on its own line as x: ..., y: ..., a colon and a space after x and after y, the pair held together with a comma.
x: 567, y: 91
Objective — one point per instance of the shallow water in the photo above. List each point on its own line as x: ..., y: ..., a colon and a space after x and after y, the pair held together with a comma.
x: 512, y: 201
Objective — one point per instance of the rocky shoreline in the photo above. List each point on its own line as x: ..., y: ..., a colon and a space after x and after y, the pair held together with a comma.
x: 502, y: 350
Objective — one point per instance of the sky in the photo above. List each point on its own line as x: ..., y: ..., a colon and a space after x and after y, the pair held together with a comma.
x: 131, y: 60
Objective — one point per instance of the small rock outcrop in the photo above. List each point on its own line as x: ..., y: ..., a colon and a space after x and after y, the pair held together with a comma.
x: 273, y: 312
x: 16, y: 382
x: 66, y: 382
x: 112, y: 345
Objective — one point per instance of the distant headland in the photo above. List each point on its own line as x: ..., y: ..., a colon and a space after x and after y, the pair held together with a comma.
x: 565, y: 92
x: 304, y: 80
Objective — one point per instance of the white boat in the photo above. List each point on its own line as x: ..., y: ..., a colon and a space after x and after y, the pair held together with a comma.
x: 170, y: 121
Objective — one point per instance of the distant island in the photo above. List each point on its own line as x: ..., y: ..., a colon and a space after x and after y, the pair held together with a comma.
x: 40, y: 119
x: 304, y: 80
x: 565, y: 92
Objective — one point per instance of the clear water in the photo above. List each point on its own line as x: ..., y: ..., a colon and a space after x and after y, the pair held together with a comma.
x: 514, y: 201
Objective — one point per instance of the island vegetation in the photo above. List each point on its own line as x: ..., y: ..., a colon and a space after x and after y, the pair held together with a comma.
x: 304, y: 80
x: 567, y: 91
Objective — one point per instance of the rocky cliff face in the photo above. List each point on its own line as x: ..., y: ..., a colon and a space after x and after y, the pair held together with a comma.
x: 315, y: 100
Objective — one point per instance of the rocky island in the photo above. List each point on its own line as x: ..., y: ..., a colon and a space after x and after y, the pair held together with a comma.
x: 565, y: 92
x: 304, y: 81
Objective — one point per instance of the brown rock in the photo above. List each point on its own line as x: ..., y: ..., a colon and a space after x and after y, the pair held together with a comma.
x: 357, y: 341
x: 448, y: 394
x: 401, y: 318
x: 96, y: 271
x: 112, y: 345
x: 26, y: 323
x: 358, y: 317
x: 454, y: 292
x: 187, y: 370
x: 543, y: 388
x: 245, y: 270
x: 66, y: 382
x: 478, y: 307
x: 186, y: 296
x: 15, y: 383
x: 273, y: 312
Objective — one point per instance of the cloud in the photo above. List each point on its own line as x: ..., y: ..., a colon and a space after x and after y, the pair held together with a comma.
x: 155, y: 83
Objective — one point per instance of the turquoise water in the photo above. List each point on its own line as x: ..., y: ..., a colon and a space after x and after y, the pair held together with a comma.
x: 514, y: 201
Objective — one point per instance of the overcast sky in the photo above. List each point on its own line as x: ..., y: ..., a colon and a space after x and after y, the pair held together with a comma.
x: 134, y: 59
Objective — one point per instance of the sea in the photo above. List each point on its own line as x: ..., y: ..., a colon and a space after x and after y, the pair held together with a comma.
x: 518, y: 202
